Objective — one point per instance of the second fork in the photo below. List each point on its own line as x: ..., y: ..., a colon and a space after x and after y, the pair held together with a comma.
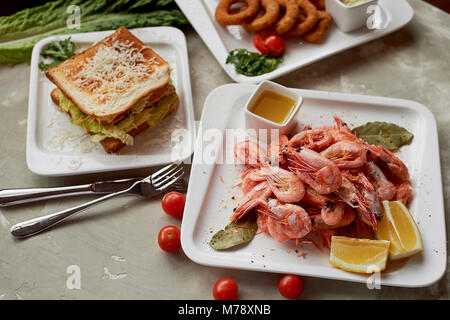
x: 150, y: 186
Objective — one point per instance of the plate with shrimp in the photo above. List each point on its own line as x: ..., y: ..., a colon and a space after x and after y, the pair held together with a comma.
x: 320, y: 180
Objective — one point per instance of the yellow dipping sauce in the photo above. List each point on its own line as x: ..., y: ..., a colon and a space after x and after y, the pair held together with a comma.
x: 273, y: 106
x: 352, y: 2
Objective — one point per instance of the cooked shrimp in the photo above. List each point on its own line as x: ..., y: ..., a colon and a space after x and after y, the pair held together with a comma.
x: 342, y: 132
x: 404, y: 192
x: 253, y: 174
x: 250, y: 178
x: 357, y: 191
x: 315, y: 170
x: 286, y: 221
x: 385, y: 189
x: 247, y: 185
x: 333, y: 213
x: 315, y: 139
x: 392, y: 166
x: 325, y: 236
x: 314, y: 198
x: 275, y: 230
x: 261, y: 221
x: 348, y: 218
x: 330, y: 207
x: 249, y: 153
x: 269, y: 222
x: 346, y: 154
x: 254, y: 198
x: 285, y: 185
x: 274, y: 149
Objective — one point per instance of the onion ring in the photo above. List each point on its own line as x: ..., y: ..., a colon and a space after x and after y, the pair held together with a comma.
x: 316, y: 34
x: 290, y: 17
x: 319, y: 4
x: 266, y: 17
x: 307, y: 19
x: 225, y: 17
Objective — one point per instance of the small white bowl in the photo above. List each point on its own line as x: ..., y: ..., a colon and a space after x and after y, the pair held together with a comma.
x: 349, y: 18
x: 253, y: 121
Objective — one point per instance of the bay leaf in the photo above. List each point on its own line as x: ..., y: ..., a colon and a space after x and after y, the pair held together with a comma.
x: 388, y: 135
x: 235, y: 233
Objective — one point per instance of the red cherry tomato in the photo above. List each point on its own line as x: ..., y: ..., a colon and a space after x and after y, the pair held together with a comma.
x: 169, y: 239
x: 290, y: 286
x: 272, y: 45
x: 225, y: 289
x: 173, y: 204
x: 258, y: 42
x: 275, y: 44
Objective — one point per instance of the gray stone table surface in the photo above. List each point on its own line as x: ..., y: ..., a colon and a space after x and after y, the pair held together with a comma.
x: 115, y: 245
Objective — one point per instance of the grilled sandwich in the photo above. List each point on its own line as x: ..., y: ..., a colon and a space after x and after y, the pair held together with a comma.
x: 115, y: 89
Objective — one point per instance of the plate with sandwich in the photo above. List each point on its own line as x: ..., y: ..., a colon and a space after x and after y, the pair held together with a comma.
x: 123, y: 101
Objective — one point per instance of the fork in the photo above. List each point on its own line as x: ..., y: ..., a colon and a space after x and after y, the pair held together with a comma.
x: 17, y: 196
x: 158, y: 182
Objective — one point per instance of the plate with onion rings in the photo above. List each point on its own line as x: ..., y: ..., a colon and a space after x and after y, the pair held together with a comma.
x: 214, y: 196
x: 304, y: 27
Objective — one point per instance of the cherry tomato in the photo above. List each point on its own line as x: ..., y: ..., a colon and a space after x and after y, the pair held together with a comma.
x: 275, y: 44
x: 272, y: 45
x: 173, y: 204
x: 290, y: 286
x: 225, y: 289
x: 258, y: 42
x: 169, y: 238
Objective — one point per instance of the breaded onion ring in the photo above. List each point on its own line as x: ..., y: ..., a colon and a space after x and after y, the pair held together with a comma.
x: 307, y: 20
x: 266, y: 17
x: 290, y: 17
x: 225, y: 17
x: 319, y: 4
x: 316, y: 34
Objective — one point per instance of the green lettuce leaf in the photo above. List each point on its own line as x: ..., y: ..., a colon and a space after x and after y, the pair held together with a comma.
x: 22, y: 30
x: 89, y: 125
x: 159, y: 111
x: 152, y: 116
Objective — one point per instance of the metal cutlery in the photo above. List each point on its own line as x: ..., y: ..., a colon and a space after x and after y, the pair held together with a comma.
x: 150, y: 186
x: 11, y: 197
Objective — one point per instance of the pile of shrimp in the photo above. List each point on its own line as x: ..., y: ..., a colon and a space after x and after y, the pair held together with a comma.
x: 323, y: 179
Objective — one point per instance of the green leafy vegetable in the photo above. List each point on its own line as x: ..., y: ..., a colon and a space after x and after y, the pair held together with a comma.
x: 152, y: 116
x: 22, y: 30
x: 252, y: 63
x: 235, y: 233
x: 388, y: 135
x: 58, y: 51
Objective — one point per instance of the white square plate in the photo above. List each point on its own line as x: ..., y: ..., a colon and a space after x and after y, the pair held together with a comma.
x: 55, y: 147
x: 209, y: 200
x: 221, y: 40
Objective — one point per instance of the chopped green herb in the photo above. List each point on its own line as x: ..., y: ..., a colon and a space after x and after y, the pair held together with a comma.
x: 58, y: 51
x: 252, y: 64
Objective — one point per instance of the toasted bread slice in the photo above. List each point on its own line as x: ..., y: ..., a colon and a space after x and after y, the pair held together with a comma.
x: 108, y: 78
x: 152, y: 97
x: 113, y: 145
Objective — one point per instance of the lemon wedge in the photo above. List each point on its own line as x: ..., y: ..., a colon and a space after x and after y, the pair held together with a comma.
x: 398, y: 226
x: 359, y: 255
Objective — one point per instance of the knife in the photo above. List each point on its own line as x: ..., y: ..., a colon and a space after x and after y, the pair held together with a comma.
x: 10, y: 197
